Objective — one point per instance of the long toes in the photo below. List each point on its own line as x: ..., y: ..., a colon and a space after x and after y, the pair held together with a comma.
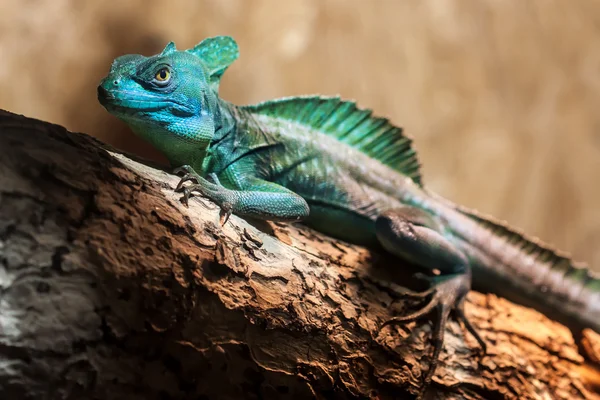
x: 187, y: 193
x: 439, y: 328
x: 414, y: 315
x: 186, y: 178
x: 183, y: 168
x: 460, y: 313
x: 448, y: 294
x: 423, y: 277
x: 416, y: 295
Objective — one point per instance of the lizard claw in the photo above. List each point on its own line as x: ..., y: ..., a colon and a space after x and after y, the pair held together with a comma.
x: 226, y: 208
x: 225, y: 213
x: 187, y: 193
x: 460, y: 313
x: 186, y: 178
x: 446, y: 295
x: 207, y: 188
x: 189, y: 175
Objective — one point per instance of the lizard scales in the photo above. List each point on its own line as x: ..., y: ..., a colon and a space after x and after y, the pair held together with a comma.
x: 546, y: 277
x: 346, y: 173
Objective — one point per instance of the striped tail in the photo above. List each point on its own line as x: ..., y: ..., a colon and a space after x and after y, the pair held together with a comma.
x: 548, y: 279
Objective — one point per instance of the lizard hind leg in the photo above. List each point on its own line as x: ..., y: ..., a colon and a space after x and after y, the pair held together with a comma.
x: 412, y: 234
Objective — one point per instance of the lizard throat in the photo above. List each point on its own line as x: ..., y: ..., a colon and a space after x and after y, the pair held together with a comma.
x: 183, y: 142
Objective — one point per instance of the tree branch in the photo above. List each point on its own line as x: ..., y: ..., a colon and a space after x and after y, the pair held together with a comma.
x: 111, y: 288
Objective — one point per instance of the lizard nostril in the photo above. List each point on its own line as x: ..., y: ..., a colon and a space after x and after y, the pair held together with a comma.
x: 116, y: 82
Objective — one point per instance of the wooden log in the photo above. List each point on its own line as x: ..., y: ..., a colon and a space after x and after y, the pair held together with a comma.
x: 111, y: 289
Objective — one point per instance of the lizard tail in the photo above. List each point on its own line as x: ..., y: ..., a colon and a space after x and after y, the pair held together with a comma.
x: 548, y: 279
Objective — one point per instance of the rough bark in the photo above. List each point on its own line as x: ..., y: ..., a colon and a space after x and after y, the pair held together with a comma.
x: 110, y: 288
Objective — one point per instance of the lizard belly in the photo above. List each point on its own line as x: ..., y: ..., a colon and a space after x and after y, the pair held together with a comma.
x: 344, y: 189
x: 342, y: 207
x: 341, y: 223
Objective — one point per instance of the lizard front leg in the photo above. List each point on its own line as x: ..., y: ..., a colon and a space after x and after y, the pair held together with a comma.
x: 257, y: 199
x: 412, y: 234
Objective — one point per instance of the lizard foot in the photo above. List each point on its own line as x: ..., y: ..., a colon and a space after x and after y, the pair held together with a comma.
x: 189, y: 175
x: 447, y: 294
x: 207, y: 188
x: 226, y: 208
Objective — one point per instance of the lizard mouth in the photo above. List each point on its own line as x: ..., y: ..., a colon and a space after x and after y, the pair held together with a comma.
x: 104, y: 95
x: 131, y: 103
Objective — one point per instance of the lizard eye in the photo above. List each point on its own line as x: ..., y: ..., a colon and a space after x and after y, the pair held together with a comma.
x: 162, y: 76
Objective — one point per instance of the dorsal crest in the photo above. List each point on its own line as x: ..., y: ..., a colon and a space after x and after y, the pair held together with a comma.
x: 374, y: 136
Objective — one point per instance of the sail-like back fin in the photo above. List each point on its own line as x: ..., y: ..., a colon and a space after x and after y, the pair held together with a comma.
x: 374, y: 136
x: 217, y: 54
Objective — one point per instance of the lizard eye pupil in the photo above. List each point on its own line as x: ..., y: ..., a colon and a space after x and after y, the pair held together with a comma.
x: 162, y: 75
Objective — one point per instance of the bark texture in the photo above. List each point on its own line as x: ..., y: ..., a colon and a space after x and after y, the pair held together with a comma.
x: 112, y: 289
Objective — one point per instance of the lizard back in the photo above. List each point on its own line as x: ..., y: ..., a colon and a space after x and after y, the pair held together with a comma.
x: 546, y: 277
x: 374, y: 136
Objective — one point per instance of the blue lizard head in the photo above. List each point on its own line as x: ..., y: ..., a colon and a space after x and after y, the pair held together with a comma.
x: 170, y: 98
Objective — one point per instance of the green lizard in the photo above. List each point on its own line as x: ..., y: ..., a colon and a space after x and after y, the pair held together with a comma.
x: 343, y: 171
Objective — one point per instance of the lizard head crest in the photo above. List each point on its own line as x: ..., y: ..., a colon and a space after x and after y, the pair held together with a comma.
x: 171, y: 97
x: 169, y: 48
x: 217, y: 54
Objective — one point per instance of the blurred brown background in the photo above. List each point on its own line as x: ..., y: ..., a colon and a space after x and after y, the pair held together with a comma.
x: 501, y: 97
